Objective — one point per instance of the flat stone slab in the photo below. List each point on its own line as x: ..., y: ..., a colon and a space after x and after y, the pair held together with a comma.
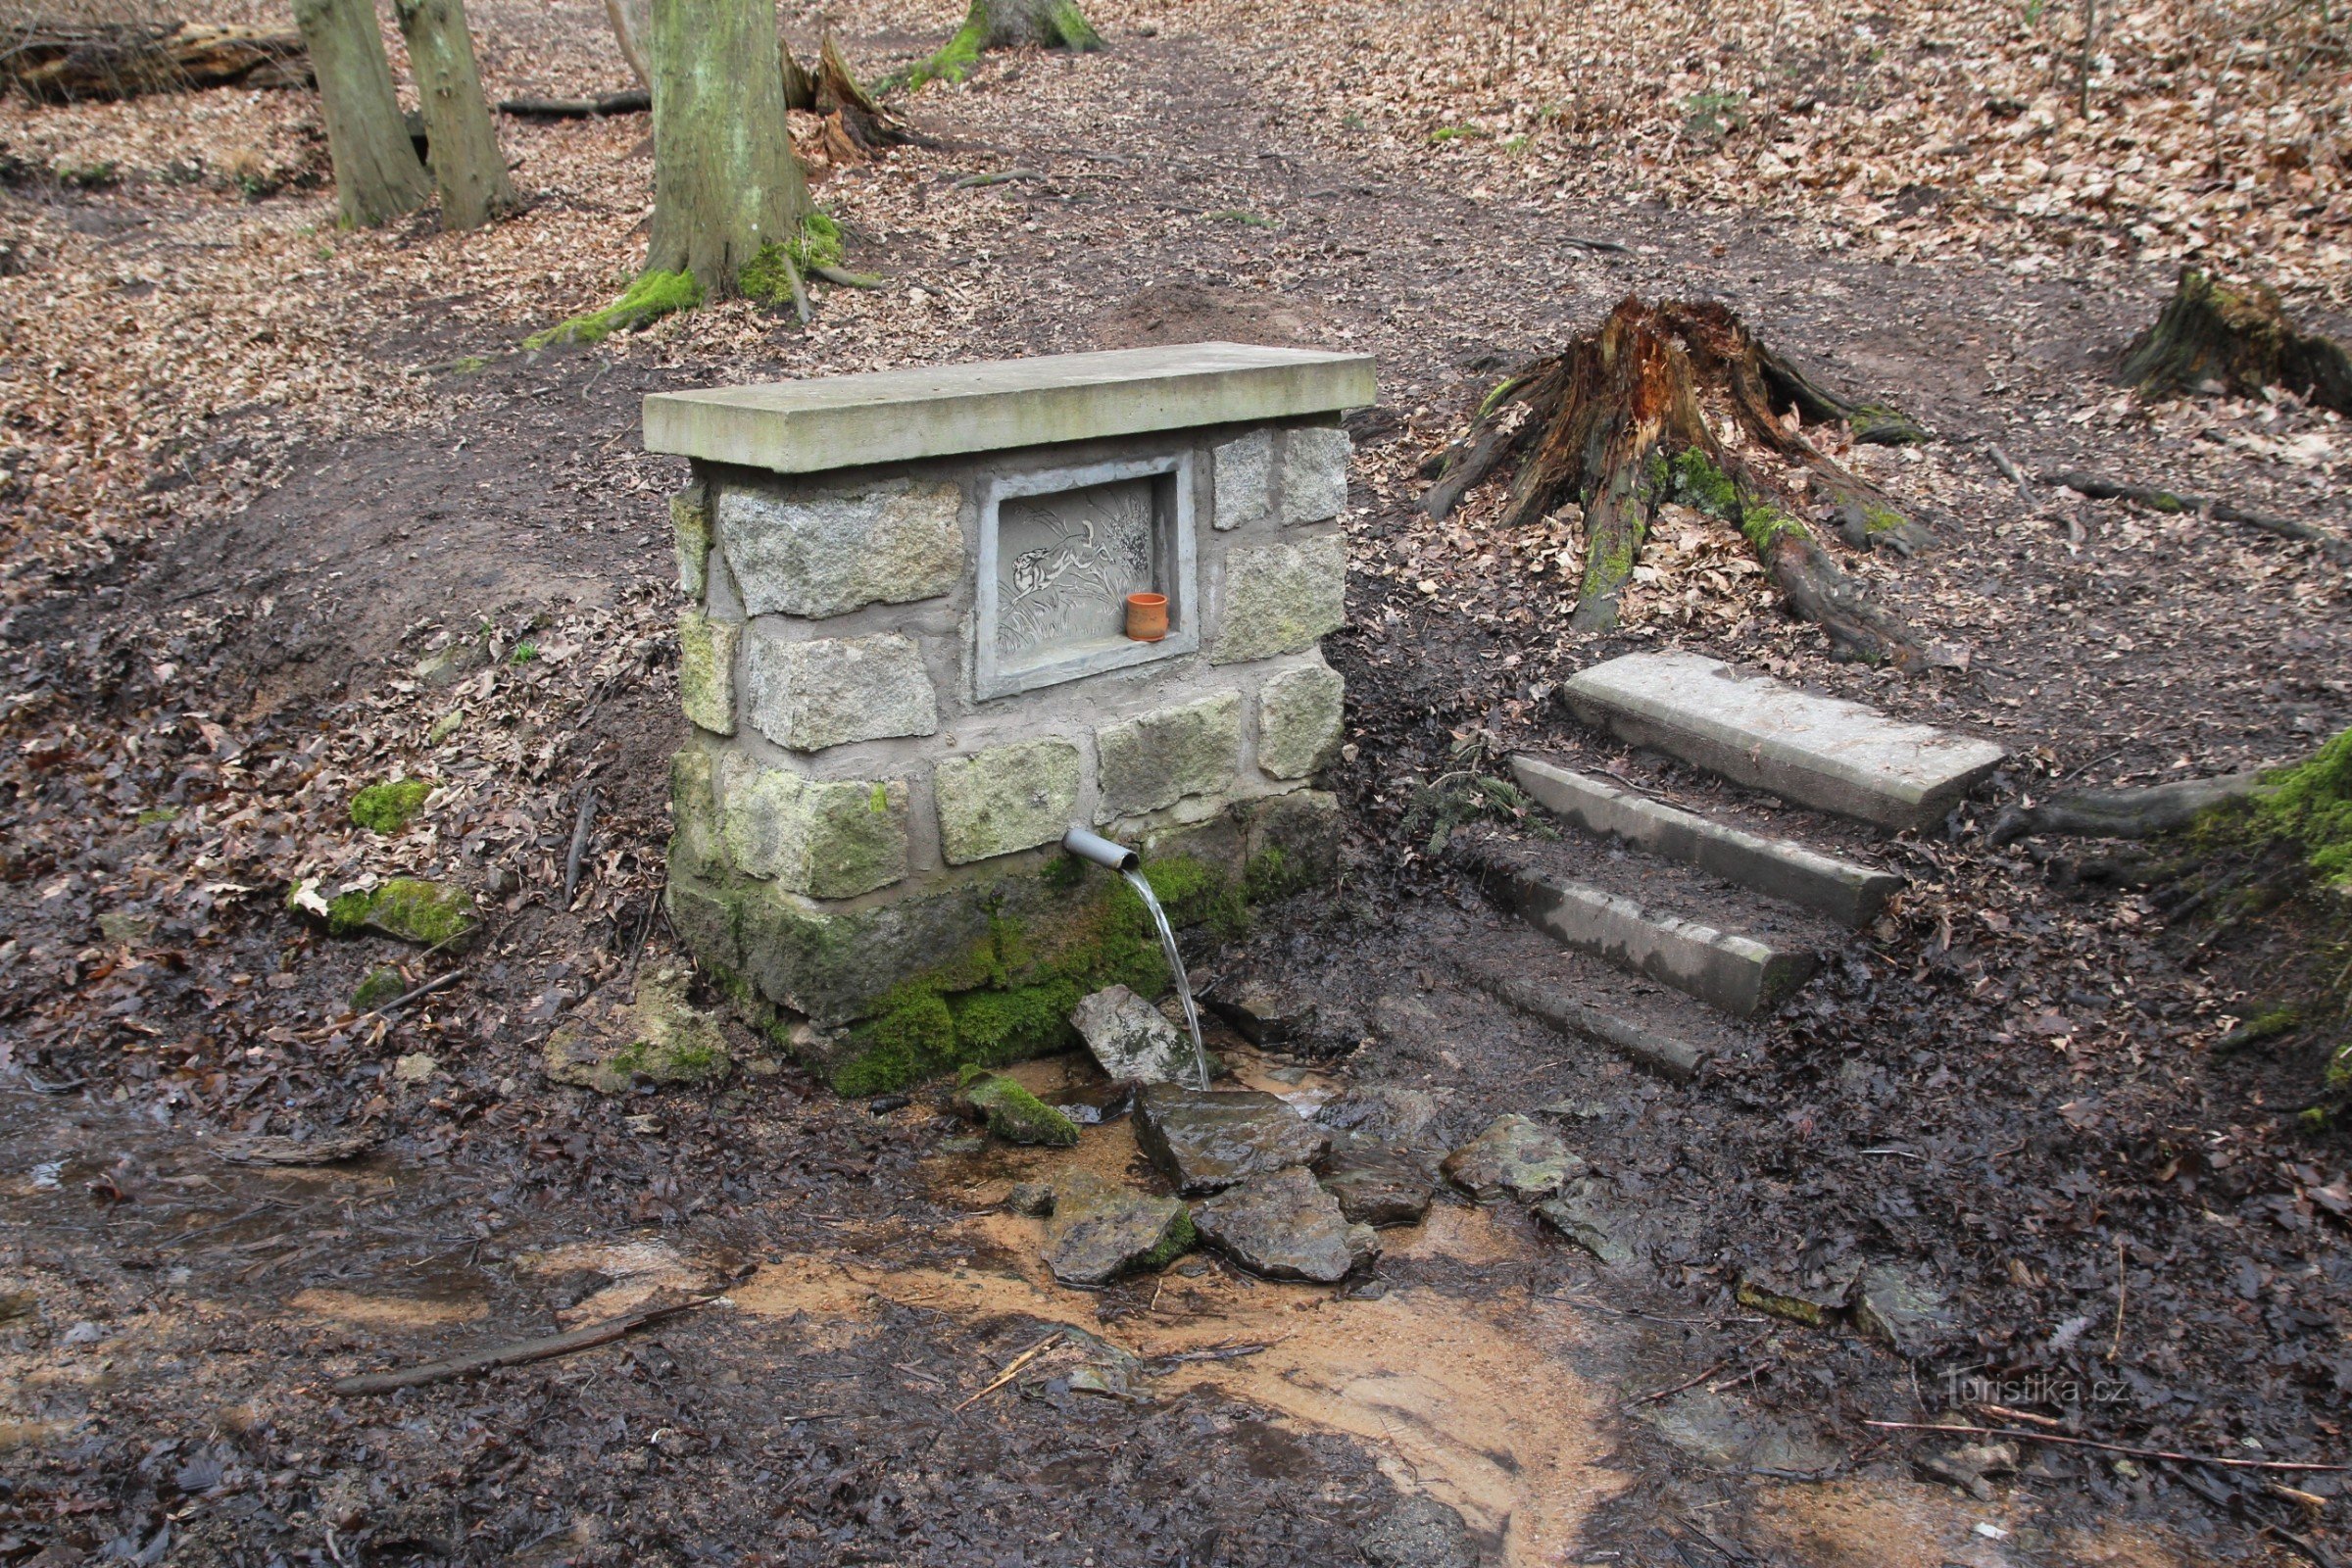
x: 1818, y: 752
x: 1282, y: 1226
x: 1849, y: 894
x: 1516, y: 1154
x: 1741, y: 975
x: 933, y: 411
x: 1205, y: 1141
x: 1375, y: 1185
x: 1100, y: 1232
x: 1133, y: 1039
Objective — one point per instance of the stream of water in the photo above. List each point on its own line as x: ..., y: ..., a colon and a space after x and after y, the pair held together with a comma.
x: 1184, y: 986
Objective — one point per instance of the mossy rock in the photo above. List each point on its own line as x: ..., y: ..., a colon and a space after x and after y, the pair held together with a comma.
x: 608, y: 1042
x: 390, y: 806
x: 380, y: 986
x: 407, y: 909
x: 1011, y: 1111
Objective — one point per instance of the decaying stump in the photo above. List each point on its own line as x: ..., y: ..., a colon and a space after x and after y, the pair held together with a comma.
x: 1679, y: 402
x: 1004, y: 24
x: 64, y: 63
x: 856, y: 127
x: 2215, y: 336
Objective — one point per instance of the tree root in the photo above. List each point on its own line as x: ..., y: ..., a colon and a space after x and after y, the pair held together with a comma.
x: 1620, y: 422
x: 2215, y: 337
x: 2122, y: 813
x: 2177, y: 503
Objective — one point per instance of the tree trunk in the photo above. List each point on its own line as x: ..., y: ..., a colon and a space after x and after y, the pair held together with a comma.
x: 1620, y: 422
x: 628, y: 25
x: 799, y: 87
x: 55, y: 63
x: 1004, y: 25
x: 378, y: 174
x: 468, y: 170
x: 2236, y: 340
x: 725, y: 180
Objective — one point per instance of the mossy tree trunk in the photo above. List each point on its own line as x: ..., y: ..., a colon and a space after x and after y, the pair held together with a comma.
x: 1006, y: 25
x: 2212, y: 336
x: 378, y: 174
x: 468, y: 170
x: 1620, y: 422
x: 725, y: 180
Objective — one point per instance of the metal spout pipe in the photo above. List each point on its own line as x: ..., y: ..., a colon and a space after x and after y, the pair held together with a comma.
x: 1100, y: 849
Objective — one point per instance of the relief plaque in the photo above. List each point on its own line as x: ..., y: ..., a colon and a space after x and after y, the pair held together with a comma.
x: 1061, y: 550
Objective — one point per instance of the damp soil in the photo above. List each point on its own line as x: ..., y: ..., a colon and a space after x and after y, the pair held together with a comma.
x: 2005, y: 1089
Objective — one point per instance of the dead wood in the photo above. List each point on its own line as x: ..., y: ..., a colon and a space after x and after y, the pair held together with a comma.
x: 633, y: 102
x: 2122, y: 813
x: 2291, y: 1465
x: 57, y: 63
x: 2179, y: 502
x: 2215, y: 337
x: 1629, y: 418
x: 275, y: 1151
x: 581, y: 823
x: 517, y: 1354
x: 866, y: 125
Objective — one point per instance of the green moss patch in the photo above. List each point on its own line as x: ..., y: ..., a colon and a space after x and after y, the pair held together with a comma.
x: 409, y: 909
x: 2311, y: 804
x: 389, y: 806
x: 651, y: 297
x: 380, y: 986
x: 1013, y: 1112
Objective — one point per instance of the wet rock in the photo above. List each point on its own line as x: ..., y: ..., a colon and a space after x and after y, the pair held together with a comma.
x: 1419, y: 1533
x: 1718, y: 1431
x: 1375, y: 1185
x: 1384, y: 1114
x: 610, y: 1041
x: 446, y: 666
x: 1204, y: 1140
x: 1132, y: 1039
x: 1266, y: 1012
x: 1515, y: 1156
x: 1033, y: 1198
x: 431, y: 915
x: 1100, y: 1232
x: 1967, y: 1467
x: 1011, y: 1111
x: 1903, y: 1312
x: 1406, y: 1021
x: 1282, y: 1225
x: 1585, y: 1214
x: 1815, y: 1296
x: 379, y: 987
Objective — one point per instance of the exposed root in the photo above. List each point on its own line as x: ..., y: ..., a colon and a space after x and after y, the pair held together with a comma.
x: 2122, y: 813
x: 1619, y: 422
x: 1002, y: 25
x: 2334, y: 546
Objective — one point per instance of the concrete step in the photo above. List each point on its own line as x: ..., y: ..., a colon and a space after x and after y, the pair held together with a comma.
x: 1812, y: 751
x: 1851, y: 894
x: 1652, y: 1027
x: 1739, y: 973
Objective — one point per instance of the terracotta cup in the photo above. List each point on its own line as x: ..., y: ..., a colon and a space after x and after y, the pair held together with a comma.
x: 1147, y: 617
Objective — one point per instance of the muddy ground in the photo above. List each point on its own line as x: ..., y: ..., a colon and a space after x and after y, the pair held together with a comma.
x: 2008, y: 1090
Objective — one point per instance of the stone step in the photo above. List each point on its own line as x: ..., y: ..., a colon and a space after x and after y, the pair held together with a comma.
x: 1574, y: 994
x: 1851, y: 894
x: 1818, y: 752
x: 1740, y: 974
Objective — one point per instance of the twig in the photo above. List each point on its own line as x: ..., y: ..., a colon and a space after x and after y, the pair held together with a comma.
x: 1605, y: 247
x: 580, y: 842
x: 2179, y: 503
x: 1006, y: 1375
x: 439, y: 982
x: 2007, y: 1415
x: 2122, y: 1285
x: 1214, y: 1353
x: 514, y: 1354
x: 1694, y: 1382
x: 2108, y: 1447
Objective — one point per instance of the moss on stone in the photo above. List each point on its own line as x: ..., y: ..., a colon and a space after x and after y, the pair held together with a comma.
x: 380, y: 986
x: 2311, y: 803
x: 647, y: 299
x: 1013, y: 1112
x: 1181, y: 1239
x: 387, y: 808
x: 406, y: 908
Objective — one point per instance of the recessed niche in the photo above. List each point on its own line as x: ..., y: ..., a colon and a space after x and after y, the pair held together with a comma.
x: 1061, y: 550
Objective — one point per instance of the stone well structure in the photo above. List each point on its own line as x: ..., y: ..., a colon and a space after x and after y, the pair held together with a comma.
x: 908, y: 674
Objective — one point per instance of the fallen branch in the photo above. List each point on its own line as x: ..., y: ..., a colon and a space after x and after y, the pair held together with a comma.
x: 635, y: 101
x: 2122, y: 813
x: 581, y: 823
x: 1010, y: 1372
x: 2109, y: 1448
x: 2010, y: 471
x: 2179, y: 503
x: 63, y: 63
x: 517, y: 1354
x: 1001, y: 178
x: 846, y: 278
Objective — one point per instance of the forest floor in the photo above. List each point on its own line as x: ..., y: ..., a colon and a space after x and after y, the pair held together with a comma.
x: 258, y: 471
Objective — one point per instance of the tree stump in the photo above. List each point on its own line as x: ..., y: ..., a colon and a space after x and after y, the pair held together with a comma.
x: 1627, y: 418
x: 2216, y: 337
x: 1004, y: 24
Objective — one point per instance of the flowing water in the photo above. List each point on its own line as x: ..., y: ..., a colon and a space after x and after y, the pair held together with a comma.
x: 1184, y: 987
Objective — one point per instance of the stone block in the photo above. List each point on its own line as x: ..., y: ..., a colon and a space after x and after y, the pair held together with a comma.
x: 823, y: 555
x: 690, y: 520
x: 1005, y: 798
x: 1314, y: 473
x: 1299, y: 720
x: 694, y: 847
x: 827, y: 691
x: 825, y: 838
x: 1244, y: 479
x: 1281, y: 598
x: 1820, y: 752
x: 1158, y: 759
x: 1293, y: 844
x: 706, y: 671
